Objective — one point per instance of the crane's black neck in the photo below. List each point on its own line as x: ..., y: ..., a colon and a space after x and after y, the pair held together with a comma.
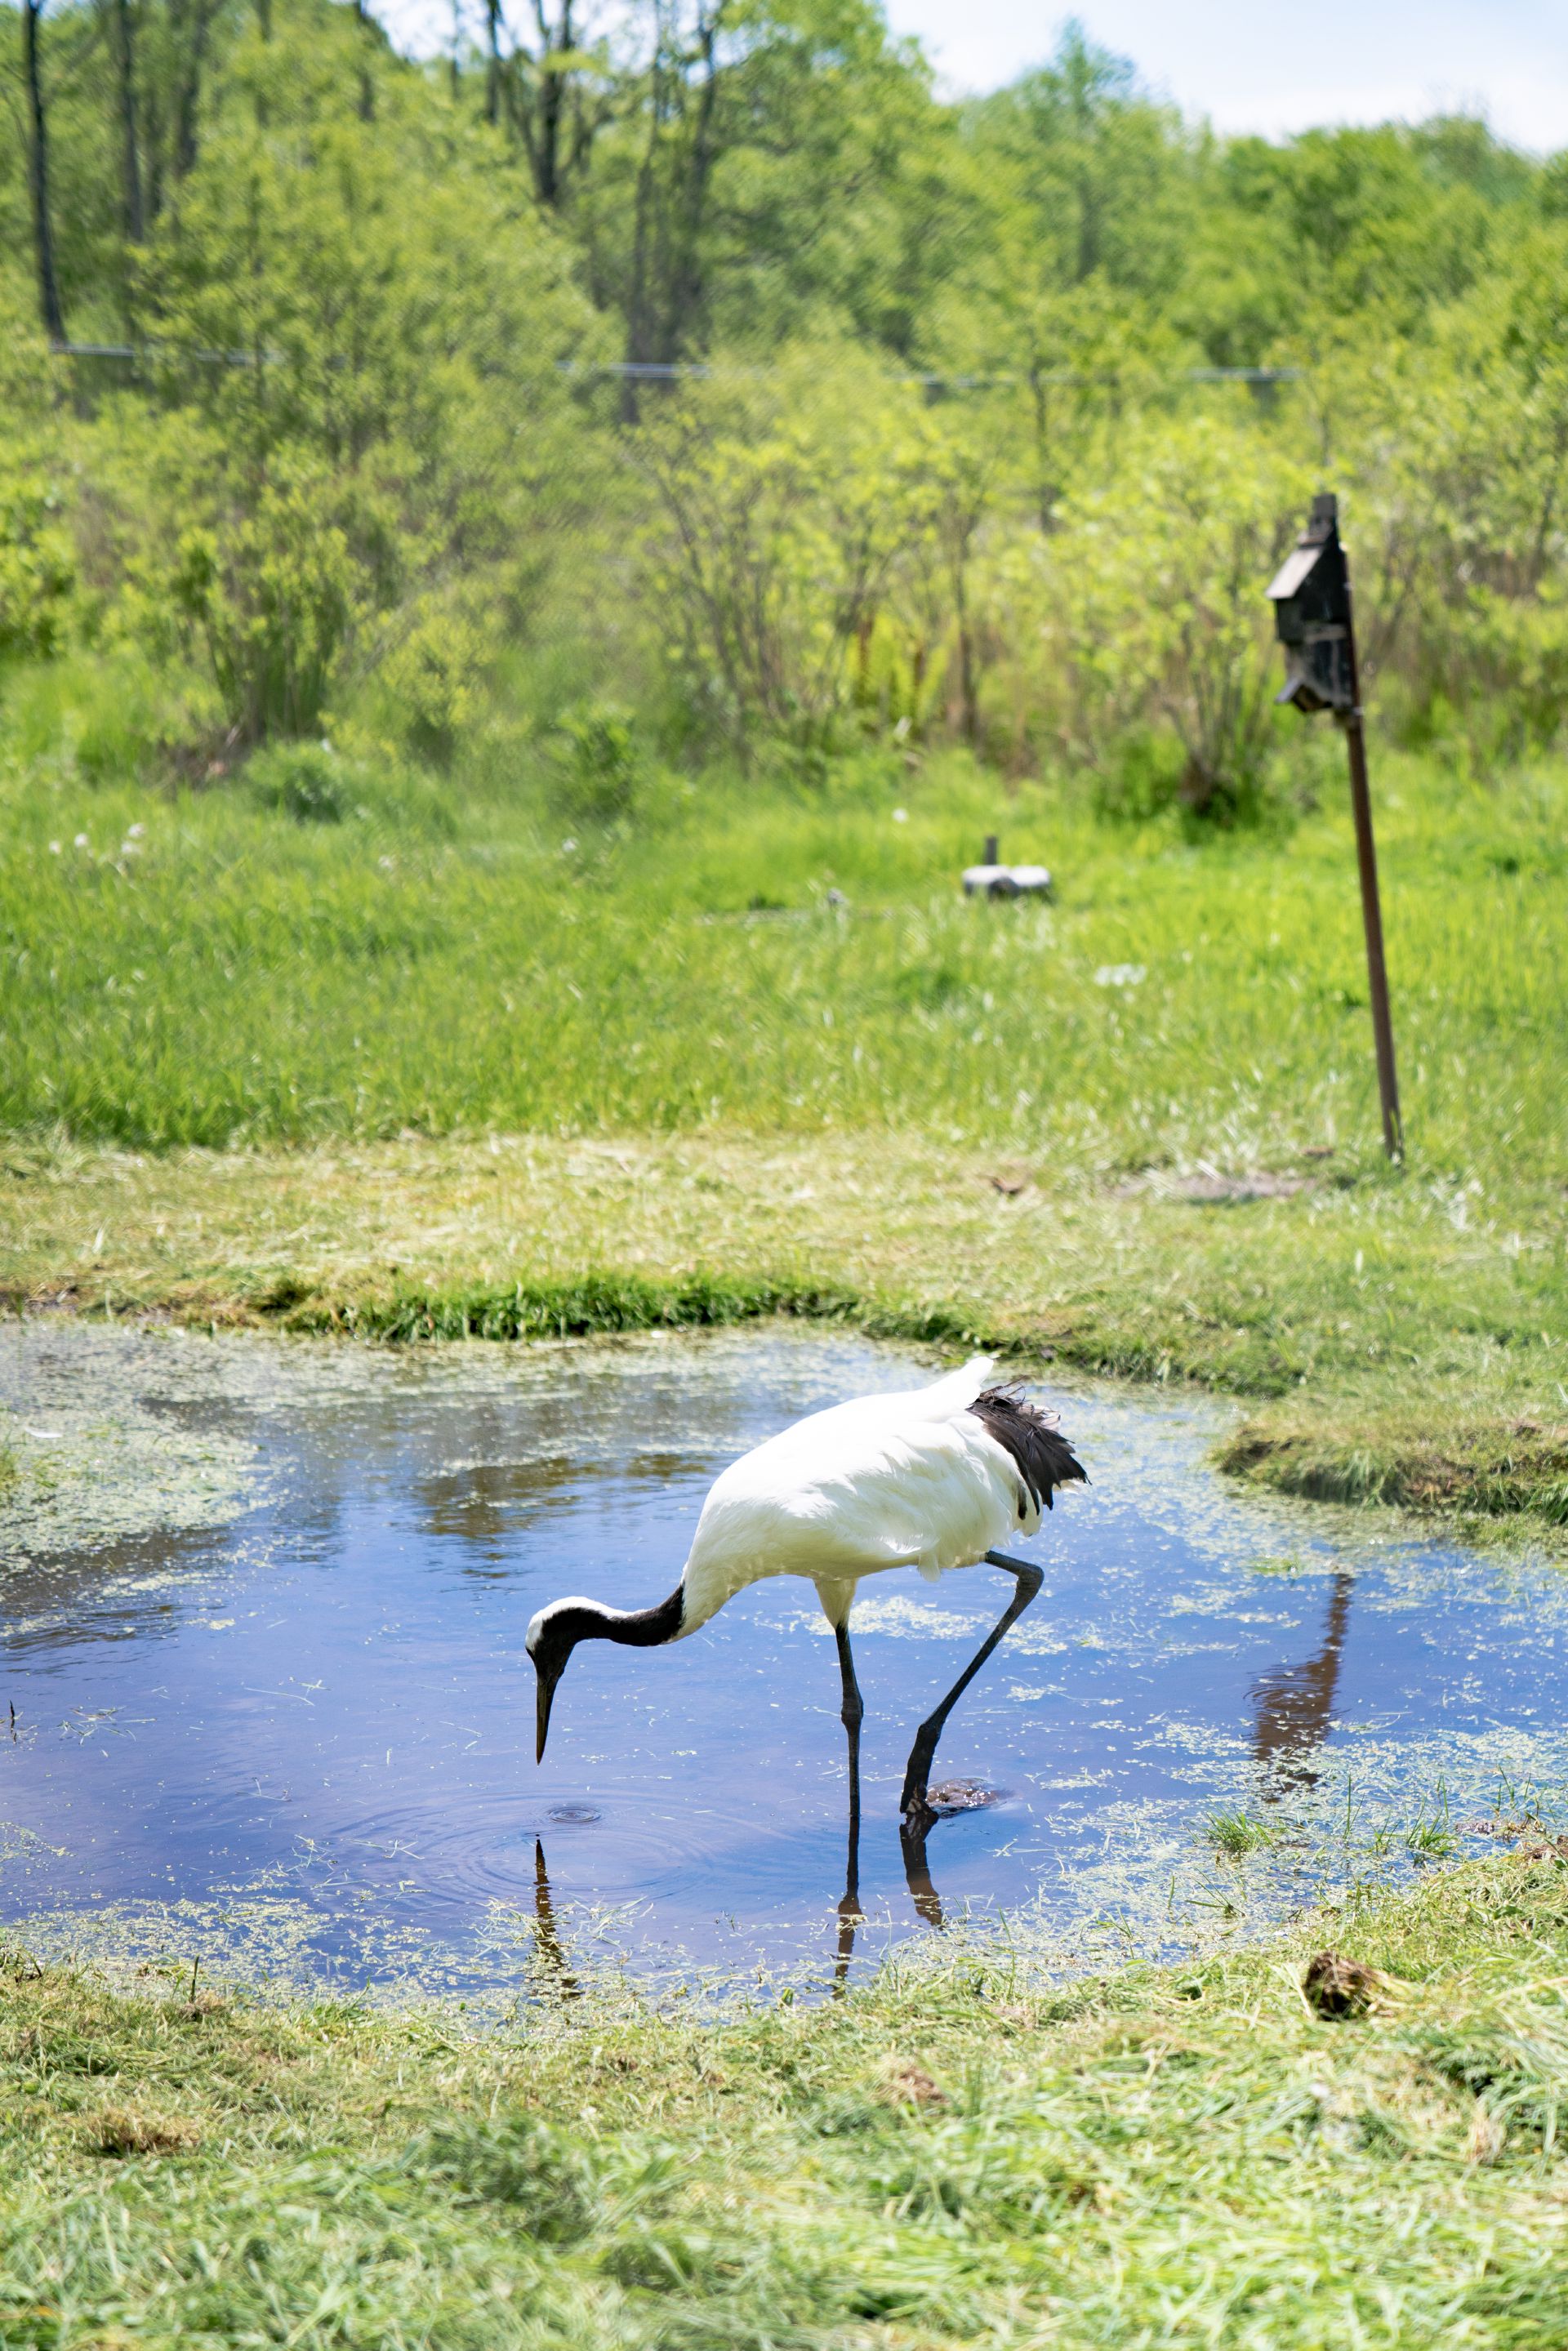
x: 635, y: 1628
x: 556, y: 1630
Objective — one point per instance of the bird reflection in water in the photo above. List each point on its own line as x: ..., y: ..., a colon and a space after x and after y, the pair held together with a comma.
x: 915, y: 1826
x: 558, y: 1982
x: 1295, y: 1704
x: 913, y: 1831
x: 556, y: 1977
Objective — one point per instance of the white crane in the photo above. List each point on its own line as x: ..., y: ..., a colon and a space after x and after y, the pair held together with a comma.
x: 933, y: 1479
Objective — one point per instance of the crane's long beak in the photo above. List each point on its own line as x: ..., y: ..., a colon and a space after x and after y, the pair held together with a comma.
x: 547, y: 1681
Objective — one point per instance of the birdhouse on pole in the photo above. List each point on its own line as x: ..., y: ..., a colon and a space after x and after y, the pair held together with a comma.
x: 1310, y: 595
x: 1313, y: 614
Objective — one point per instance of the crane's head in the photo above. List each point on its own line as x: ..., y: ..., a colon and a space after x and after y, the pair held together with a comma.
x: 556, y: 1631
x: 552, y: 1635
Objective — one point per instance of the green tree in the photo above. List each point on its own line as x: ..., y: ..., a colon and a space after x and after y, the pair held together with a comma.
x: 362, y: 396
x: 1157, y: 583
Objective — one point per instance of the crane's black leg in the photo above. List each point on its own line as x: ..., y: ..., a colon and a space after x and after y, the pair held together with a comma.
x: 912, y: 1804
x: 853, y: 1717
x: 850, y: 1911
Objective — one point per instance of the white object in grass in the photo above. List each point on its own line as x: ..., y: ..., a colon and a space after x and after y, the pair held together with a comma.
x: 1006, y: 881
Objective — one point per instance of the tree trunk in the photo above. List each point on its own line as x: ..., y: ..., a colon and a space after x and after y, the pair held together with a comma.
x: 552, y: 105
x: 188, y: 104
x: 962, y: 528
x: 968, y: 687
x: 639, y: 305
x: 133, y: 219
x: 682, y: 296
x: 665, y: 297
x: 1047, y: 489
x: 367, y: 106
x: 38, y: 175
x: 492, y: 62
x: 264, y: 26
x: 542, y: 94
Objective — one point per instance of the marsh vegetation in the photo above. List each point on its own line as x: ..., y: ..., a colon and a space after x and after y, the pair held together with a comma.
x: 958, y: 2154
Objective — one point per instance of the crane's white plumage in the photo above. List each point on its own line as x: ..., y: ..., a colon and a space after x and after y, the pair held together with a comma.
x: 907, y: 1481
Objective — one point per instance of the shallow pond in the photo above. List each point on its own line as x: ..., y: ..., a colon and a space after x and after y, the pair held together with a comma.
x: 264, y: 1612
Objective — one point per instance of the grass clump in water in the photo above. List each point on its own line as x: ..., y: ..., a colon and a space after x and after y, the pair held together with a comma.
x: 1237, y: 1833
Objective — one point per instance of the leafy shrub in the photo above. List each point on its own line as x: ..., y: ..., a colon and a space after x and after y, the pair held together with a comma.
x: 1140, y: 776
x: 115, y: 718
x: 270, y: 597
x: 597, y: 762
x: 1512, y: 655
x: 1159, y: 581
x: 316, y: 784
x: 785, y: 513
x: 434, y: 676
x: 305, y: 781
x: 37, y: 567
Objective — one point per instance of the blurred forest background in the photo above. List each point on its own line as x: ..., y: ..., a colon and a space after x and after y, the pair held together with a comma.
x: 685, y: 381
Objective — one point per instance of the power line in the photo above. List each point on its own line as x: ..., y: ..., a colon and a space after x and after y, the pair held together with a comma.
x: 58, y: 351
x: 674, y: 370
x: 700, y: 370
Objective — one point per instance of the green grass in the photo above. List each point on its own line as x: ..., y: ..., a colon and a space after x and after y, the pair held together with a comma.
x: 238, y: 975
x: 424, y: 1070
x: 962, y: 2154
x: 1236, y: 1834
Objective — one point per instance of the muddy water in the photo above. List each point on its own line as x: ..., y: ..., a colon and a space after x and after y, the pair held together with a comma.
x: 263, y: 1608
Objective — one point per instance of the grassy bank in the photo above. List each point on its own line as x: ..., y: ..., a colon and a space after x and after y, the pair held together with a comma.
x: 1187, y: 2155
x: 443, y: 1064
x: 1383, y: 1351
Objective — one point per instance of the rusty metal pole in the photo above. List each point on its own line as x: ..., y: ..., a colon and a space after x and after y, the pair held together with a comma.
x: 1371, y: 908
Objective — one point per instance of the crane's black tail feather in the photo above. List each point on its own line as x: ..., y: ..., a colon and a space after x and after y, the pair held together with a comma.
x: 1044, y: 1457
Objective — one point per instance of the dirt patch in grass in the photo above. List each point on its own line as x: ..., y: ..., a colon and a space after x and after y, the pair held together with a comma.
x: 118, y: 2132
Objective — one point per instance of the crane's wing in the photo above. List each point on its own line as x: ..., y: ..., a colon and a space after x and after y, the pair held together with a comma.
x: 943, y: 1399
x: 917, y: 1479
x: 953, y: 1392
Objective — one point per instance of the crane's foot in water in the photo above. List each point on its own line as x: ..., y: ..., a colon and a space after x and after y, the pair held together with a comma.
x: 953, y: 1796
x: 923, y: 1806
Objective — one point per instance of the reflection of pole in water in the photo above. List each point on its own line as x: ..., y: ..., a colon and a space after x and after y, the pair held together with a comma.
x: 547, y: 1936
x: 1295, y: 1703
